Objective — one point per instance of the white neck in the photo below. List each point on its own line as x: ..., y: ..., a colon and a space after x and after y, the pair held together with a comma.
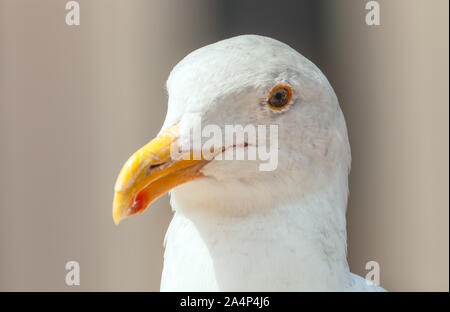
x: 291, y: 246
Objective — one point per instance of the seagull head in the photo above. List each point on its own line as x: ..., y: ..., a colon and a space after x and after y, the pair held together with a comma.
x: 280, y: 101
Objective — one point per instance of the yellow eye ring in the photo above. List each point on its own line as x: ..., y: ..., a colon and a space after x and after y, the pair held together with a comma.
x: 279, y: 97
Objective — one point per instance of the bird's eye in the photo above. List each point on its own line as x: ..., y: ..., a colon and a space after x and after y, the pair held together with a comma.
x: 279, y: 97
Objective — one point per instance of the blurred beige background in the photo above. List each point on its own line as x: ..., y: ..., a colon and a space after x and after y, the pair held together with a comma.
x: 77, y: 100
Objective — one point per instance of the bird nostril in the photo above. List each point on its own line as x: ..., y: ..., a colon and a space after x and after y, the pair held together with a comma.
x: 151, y: 168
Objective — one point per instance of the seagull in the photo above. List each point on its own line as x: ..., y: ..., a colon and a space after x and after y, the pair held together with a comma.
x: 236, y: 227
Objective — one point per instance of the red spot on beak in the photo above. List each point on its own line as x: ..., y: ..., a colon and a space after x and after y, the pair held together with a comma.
x: 140, y: 202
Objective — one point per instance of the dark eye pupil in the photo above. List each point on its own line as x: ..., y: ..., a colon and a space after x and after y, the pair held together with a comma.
x: 279, y: 98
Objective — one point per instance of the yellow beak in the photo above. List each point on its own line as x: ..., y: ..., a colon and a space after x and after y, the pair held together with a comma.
x: 150, y: 173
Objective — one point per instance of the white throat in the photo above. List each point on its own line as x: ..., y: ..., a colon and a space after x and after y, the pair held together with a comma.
x: 249, y: 243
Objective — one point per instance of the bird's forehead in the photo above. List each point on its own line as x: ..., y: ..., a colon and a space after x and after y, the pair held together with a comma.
x: 246, y: 65
x: 236, y: 63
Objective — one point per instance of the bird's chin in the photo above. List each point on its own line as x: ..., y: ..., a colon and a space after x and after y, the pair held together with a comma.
x: 207, y: 195
x: 231, y: 170
x: 222, y: 181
